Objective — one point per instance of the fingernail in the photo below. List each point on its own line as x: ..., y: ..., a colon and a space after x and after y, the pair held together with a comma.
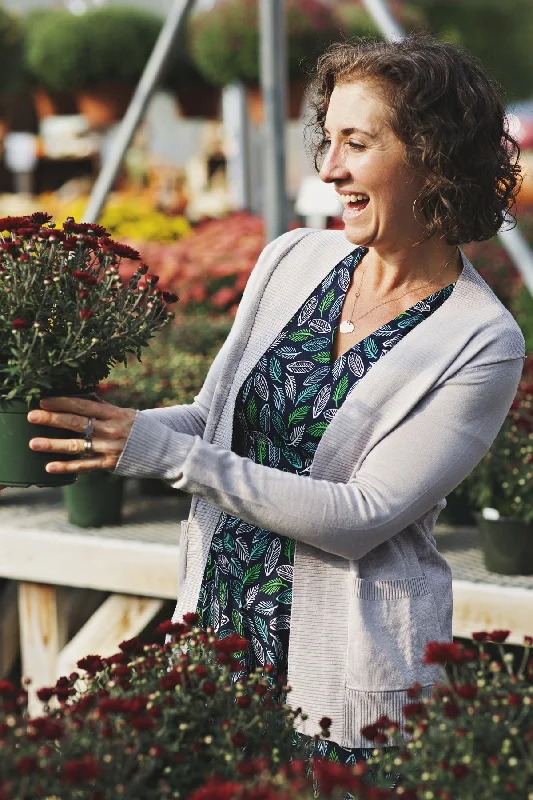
x: 36, y: 444
x: 52, y: 468
x: 33, y: 416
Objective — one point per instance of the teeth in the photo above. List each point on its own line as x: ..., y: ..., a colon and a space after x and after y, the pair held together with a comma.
x: 353, y: 198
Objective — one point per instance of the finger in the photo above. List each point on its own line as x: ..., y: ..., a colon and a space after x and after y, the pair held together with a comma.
x: 80, y: 465
x: 75, y: 405
x: 70, y: 422
x: 71, y: 446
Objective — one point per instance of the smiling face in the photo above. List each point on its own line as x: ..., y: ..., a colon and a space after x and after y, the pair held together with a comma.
x: 365, y: 161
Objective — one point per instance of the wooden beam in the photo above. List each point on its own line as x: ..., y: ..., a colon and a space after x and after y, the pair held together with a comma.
x: 124, y: 566
x: 9, y: 628
x: 43, y: 616
x: 119, y: 617
x: 485, y: 607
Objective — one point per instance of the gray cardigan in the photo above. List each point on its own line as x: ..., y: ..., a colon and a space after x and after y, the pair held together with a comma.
x: 370, y: 588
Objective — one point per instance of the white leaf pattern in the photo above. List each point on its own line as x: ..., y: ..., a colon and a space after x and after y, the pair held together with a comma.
x: 223, y: 564
x: 319, y: 326
x: 272, y: 555
x: 216, y: 614
x: 296, y: 435
x: 287, y: 352
x: 338, y: 368
x: 279, y: 398
x: 285, y: 572
x: 281, y: 623
x: 258, y: 650
x: 274, y: 455
x: 321, y: 400
x: 265, y: 607
x: 261, y: 386
x: 290, y: 387
x: 328, y: 280
x: 250, y: 596
x: 264, y: 419
x: 317, y: 376
x: 335, y: 309
x: 329, y: 414
x: 242, y: 549
x: 307, y: 311
x: 344, y: 279
x: 355, y: 364
x: 300, y: 367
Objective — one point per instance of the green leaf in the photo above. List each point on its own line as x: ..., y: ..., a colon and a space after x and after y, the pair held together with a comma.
x: 289, y: 548
x: 370, y: 347
x: 307, y: 393
x: 317, y: 429
x: 251, y: 411
x: 340, y: 389
x: 261, y: 451
x: 262, y: 627
x: 229, y: 543
x: 275, y: 369
x: 236, y: 618
x: 271, y: 587
x: 252, y: 574
x: 327, y: 301
x: 300, y: 336
x: 299, y: 413
x: 322, y: 358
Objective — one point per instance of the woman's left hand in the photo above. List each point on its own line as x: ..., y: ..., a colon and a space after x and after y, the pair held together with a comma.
x: 111, y: 428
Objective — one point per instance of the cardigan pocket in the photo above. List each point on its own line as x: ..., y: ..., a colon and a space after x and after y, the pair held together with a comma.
x: 389, y: 624
x: 182, y: 555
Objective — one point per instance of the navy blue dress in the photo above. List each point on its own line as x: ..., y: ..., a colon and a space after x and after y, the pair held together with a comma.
x: 281, y: 413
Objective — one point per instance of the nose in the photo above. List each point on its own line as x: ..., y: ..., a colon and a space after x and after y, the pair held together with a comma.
x: 333, y: 167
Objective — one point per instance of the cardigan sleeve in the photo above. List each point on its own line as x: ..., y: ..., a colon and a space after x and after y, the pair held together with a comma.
x: 413, y: 467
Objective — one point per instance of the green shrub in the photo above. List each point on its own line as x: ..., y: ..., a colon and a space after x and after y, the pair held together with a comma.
x: 11, y: 52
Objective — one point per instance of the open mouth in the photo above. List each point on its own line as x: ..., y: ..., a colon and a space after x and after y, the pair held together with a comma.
x: 354, y: 202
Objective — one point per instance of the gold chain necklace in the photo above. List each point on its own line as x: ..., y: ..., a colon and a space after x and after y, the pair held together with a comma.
x: 347, y: 325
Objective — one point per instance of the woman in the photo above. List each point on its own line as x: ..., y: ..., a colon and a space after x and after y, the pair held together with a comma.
x: 366, y: 374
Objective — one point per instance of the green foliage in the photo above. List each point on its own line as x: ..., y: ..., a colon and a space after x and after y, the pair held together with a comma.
x: 173, y: 367
x: 66, y: 315
x: 11, y: 52
x: 499, y: 35
x: 504, y: 477
x: 225, y: 41
x: 67, y: 52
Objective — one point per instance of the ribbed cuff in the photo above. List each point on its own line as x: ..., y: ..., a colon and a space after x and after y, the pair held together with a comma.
x: 154, y: 451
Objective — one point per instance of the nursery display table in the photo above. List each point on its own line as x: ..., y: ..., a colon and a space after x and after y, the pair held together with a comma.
x: 70, y: 591
x: 66, y: 592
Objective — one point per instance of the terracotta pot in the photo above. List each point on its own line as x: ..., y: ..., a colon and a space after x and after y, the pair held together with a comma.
x: 104, y: 104
x: 50, y: 104
x: 293, y: 106
x: 203, y: 101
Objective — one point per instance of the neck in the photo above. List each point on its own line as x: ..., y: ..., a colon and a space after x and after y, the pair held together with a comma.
x: 431, y: 262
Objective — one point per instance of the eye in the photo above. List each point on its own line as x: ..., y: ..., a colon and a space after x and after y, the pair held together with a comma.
x: 325, y: 143
x: 356, y: 145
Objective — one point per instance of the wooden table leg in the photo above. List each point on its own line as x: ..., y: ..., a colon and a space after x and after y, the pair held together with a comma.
x: 9, y: 627
x: 43, y: 633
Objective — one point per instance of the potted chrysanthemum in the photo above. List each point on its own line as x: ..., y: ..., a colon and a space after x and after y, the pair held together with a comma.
x: 501, y: 489
x: 66, y: 318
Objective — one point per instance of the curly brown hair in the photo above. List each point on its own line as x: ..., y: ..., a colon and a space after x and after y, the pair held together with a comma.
x: 450, y: 117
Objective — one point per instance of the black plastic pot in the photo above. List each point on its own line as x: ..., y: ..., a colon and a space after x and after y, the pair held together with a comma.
x: 95, y: 500
x: 507, y: 545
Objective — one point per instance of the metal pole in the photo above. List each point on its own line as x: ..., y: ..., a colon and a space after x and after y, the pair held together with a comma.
x: 511, y: 239
x: 273, y: 84
x: 144, y: 91
x: 235, y: 122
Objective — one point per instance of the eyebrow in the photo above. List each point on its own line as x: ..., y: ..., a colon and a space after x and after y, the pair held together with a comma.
x: 349, y: 131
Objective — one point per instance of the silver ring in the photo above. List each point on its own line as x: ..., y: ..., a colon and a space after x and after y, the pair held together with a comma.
x: 88, y: 428
x: 87, y: 447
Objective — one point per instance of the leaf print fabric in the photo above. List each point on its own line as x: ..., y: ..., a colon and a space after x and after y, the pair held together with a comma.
x: 282, y: 411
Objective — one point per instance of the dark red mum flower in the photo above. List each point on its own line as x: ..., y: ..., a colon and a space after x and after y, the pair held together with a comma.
x: 209, y: 688
x: 231, y: 644
x: 7, y: 688
x: 451, y: 710
x: 238, y: 739
x: 86, y: 313
x: 369, y: 732
x: 130, y: 645
x: 84, y: 227
x: 528, y: 640
x: 142, y: 722
x: 325, y: 723
x: 170, y: 297
x: 19, y: 323
x: 91, y: 664
x: 331, y: 776
x: 467, y: 690
x: 498, y: 636
x: 459, y: 770
x: 80, y: 770
x: 442, y: 652
x: 217, y: 789
x: 40, y: 217
x: 44, y: 728
x: 481, y: 636
x: 121, y: 250
x: 244, y: 701
x: 27, y: 765
x: 13, y: 223
x: 169, y: 627
x: 414, y: 710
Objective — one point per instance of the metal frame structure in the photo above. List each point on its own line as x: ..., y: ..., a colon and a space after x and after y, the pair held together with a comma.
x: 511, y: 238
